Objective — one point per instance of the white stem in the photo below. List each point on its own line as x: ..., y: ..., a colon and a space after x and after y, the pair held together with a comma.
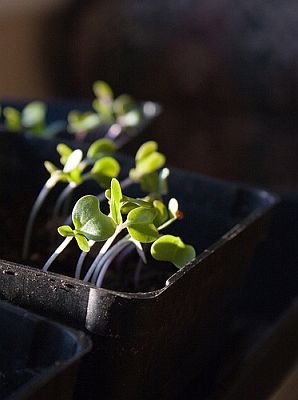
x: 56, y: 253
x: 34, y: 211
x: 113, y: 132
x: 104, y: 248
x: 106, y: 261
x: 62, y: 197
x: 81, y: 260
x: 111, y: 253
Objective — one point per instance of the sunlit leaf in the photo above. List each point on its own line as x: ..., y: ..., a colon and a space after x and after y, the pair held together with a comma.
x: 101, y: 148
x: 115, y: 202
x: 102, y: 90
x: 34, y: 114
x: 50, y: 167
x: 12, y: 119
x: 73, y: 161
x: 171, y: 248
x: 140, y: 224
x: 162, y: 213
x: 104, y: 170
x: 66, y: 230
x: 90, y: 221
x: 64, y: 152
x: 123, y: 104
x: 82, y: 242
x: 146, y: 149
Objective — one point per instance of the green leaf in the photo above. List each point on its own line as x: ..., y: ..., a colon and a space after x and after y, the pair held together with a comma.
x: 101, y: 148
x: 102, y: 90
x: 66, y: 230
x: 82, y: 242
x: 140, y: 224
x: 162, y: 213
x: 147, y: 165
x: 141, y: 215
x: 115, y: 201
x: 130, y: 120
x: 64, y: 152
x: 73, y: 161
x: 34, y: 114
x: 124, y: 104
x: 82, y: 122
x: 12, y: 119
x: 74, y: 176
x: 90, y: 221
x: 50, y: 167
x: 144, y: 233
x: 104, y: 170
x: 145, y: 149
x: 171, y: 248
x: 104, y: 110
x: 150, y: 182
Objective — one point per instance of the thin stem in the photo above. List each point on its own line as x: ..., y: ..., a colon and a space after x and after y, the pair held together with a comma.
x: 113, y: 132
x: 107, y: 260
x: 34, y: 211
x: 111, y: 253
x: 81, y: 260
x: 104, y: 248
x: 62, y: 197
x: 56, y: 253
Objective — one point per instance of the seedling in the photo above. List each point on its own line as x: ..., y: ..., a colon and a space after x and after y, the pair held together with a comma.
x: 119, y: 113
x: 103, y: 170
x: 145, y: 218
x: 32, y: 119
x: 105, y: 167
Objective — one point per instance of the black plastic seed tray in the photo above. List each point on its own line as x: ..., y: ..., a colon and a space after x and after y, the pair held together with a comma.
x: 38, y: 358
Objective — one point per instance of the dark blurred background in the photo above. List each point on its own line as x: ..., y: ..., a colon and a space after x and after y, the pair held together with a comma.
x: 225, y: 71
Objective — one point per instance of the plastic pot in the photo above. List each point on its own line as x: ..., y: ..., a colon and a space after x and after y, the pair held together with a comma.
x: 147, y: 343
x: 38, y: 357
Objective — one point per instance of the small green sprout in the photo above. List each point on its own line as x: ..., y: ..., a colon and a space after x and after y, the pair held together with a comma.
x: 171, y: 248
x: 104, y: 168
x: 121, y: 113
x: 31, y: 119
x: 103, y: 171
x: 70, y: 173
x: 143, y: 224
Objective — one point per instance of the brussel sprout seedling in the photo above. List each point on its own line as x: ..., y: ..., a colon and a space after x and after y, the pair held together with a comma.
x: 142, y: 219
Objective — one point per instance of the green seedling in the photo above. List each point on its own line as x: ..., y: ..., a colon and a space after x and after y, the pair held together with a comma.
x: 143, y: 224
x: 120, y: 112
x: 70, y: 173
x: 31, y: 119
x: 103, y: 170
x: 147, y: 161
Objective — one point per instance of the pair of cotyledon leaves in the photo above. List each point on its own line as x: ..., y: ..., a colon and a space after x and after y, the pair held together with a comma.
x: 104, y: 169
x: 32, y: 118
x: 91, y: 224
x: 147, y: 161
x: 121, y: 109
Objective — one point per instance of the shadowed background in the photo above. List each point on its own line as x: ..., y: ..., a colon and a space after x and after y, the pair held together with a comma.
x: 225, y: 72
